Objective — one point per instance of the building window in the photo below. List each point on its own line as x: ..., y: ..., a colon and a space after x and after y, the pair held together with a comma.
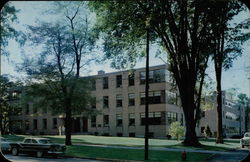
x: 172, y: 117
x: 155, y: 76
x: 93, y: 121
x: 142, y: 77
x: 35, y: 124
x: 118, y: 100
x: 44, y: 123
x: 105, y: 82
x: 119, y: 134
x: 131, y: 118
x: 119, y: 81
x: 105, y: 101
x: 172, y: 98
x: 105, y: 120
x: 155, y: 97
x: 27, y: 125
x: 54, y: 123
x: 119, y: 120
x: 131, y: 79
x: 131, y: 99
x: 27, y: 110
x: 154, y: 118
x: 131, y: 134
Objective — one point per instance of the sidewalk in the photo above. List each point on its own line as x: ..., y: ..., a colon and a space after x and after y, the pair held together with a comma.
x: 218, y: 156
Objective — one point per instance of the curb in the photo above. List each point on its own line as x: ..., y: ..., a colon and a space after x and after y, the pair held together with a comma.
x: 102, y: 159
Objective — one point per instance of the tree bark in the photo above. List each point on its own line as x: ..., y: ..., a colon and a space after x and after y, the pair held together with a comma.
x: 68, y: 124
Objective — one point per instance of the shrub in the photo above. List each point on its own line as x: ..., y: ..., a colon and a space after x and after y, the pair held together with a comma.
x: 176, y: 130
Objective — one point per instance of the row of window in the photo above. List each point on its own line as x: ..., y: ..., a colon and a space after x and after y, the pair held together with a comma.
x: 155, y: 97
x: 155, y: 76
x: 44, y: 124
x: 154, y: 118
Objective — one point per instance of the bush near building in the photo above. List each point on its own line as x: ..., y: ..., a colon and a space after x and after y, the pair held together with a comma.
x: 176, y: 130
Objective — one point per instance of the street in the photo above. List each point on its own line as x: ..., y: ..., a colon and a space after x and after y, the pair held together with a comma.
x: 28, y: 158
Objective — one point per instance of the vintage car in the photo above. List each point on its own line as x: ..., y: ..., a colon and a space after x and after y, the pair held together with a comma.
x: 39, y: 146
x: 245, y: 141
x: 4, y: 145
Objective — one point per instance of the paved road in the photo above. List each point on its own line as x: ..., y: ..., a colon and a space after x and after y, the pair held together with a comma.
x: 27, y: 158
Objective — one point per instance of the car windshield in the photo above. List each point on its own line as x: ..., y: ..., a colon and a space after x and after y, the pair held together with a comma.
x: 44, y: 141
x: 3, y: 139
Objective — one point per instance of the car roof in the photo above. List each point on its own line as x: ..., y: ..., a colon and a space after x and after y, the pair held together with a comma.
x: 36, y: 138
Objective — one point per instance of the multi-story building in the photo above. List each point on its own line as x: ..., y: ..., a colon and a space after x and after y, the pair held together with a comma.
x: 120, y: 99
x: 233, y: 116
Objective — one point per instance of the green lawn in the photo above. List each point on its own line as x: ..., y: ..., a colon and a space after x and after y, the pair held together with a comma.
x: 208, y: 144
x: 130, y: 154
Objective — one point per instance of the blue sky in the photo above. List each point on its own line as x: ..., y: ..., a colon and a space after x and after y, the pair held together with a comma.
x: 236, y: 77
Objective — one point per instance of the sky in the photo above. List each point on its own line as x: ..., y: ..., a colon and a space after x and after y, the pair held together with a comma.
x: 30, y: 11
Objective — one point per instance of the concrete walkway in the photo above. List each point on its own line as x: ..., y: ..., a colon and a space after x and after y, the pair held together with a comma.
x: 218, y: 156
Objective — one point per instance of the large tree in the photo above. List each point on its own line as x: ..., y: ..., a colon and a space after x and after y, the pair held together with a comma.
x: 227, y: 42
x: 55, y: 74
x: 182, y: 27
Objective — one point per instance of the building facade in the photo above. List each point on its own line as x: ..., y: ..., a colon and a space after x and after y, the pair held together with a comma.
x: 120, y: 99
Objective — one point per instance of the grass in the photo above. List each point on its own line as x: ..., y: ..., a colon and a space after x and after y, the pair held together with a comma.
x: 208, y: 144
x: 130, y: 154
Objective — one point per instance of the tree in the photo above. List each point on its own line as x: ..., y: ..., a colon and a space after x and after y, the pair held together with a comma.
x: 207, y: 131
x: 7, y: 103
x: 55, y: 74
x: 176, y: 130
x: 181, y: 27
x: 227, y: 43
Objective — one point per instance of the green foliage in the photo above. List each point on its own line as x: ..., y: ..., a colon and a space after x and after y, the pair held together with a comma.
x: 176, y: 130
x: 8, y: 17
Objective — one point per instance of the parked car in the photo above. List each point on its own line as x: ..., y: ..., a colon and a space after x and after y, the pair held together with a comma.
x: 5, y: 144
x: 39, y: 146
x: 245, y: 141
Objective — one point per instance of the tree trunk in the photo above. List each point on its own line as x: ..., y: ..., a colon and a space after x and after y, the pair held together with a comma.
x: 68, y: 124
x: 219, y: 138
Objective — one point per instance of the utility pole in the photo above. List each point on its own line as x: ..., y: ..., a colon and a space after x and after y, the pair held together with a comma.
x: 146, y: 96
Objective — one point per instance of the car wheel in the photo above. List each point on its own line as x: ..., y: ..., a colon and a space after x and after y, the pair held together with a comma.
x: 39, y: 154
x: 14, y: 151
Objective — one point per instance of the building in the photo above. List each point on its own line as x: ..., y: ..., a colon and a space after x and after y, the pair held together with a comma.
x: 120, y: 97
x: 233, y: 116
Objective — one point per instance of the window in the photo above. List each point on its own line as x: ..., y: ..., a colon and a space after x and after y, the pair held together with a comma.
x: 27, y: 110
x: 155, y: 97
x: 105, y: 83
x: 105, y: 101
x: 131, y: 118
x: 131, y: 99
x: 34, y: 141
x: 118, y: 100
x: 172, y: 98
x: 131, y: 79
x: 93, y: 121
x: 142, y: 77
x: 119, y: 120
x: 155, y: 76
x: 172, y: 117
x: 27, y: 125
x: 27, y: 141
x: 54, y: 123
x: 35, y: 124
x: 119, y: 81
x: 119, y: 134
x: 44, y: 123
x: 105, y: 120
x: 154, y: 118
